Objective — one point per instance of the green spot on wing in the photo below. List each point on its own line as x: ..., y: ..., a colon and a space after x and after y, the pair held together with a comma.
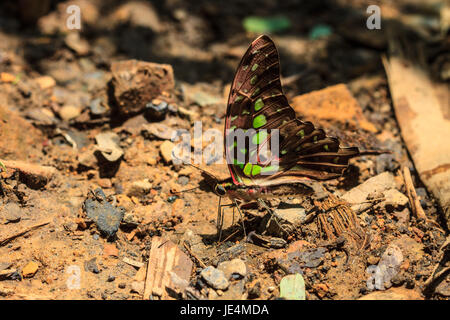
x: 283, y: 151
x: 326, y: 147
x: 255, y: 93
x: 256, y: 170
x: 259, y: 121
x: 255, y: 66
x: 244, y: 112
x: 237, y: 163
x: 259, y: 104
x: 301, y: 133
x: 248, y: 169
x: 269, y: 169
x: 253, y: 79
x: 259, y: 137
x: 238, y: 98
x: 234, y: 118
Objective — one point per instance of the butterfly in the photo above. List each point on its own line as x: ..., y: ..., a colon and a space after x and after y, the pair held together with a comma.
x: 278, y: 154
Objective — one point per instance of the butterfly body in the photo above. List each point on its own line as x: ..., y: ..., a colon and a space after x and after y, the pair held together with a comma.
x: 251, y: 193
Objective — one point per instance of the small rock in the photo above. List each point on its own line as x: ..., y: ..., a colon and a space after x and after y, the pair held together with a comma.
x: 111, y: 278
x: 335, y: 103
x: 156, y: 110
x: 183, y: 180
x: 87, y: 158
x: 30, y: 269
x: 108, y: 144
x: 10, y: 274
x: 130, y: 220
x: 69, y: 112
x: 5, y: 265
x: 96, y: 107
x: 158, y: 131
x: 91, y: 266
x: 212, y: 294
x: 166, y: 151
x: 373, y: 260
x: 7, y: 77
x: 137, y: 287
x: 76, y: 43
x: 394, y: 199
x: 235, y: 267
x: 139, y: 188
x: 288, y: 216
x: 45, y: 82
x: 135, y: 83
x: 106, y: 216
x: 10, y: 213
x: 358, y: 195
x: 402, y: 216
x: 255, y: 291
x: 215, y: 278
x: 234, y: 291
x: 122, y: 285
x: 443, y: 288
x: 386, y: 270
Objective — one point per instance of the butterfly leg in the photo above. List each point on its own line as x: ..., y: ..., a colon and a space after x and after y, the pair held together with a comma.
x: 220, y: 217
x: 272, y: 214
x: 242, y: 218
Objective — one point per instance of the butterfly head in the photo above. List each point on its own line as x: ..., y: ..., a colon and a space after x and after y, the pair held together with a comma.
x: 223, y: 188
x: 220, y: 190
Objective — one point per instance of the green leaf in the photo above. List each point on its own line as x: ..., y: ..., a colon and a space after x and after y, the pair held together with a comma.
x: 2, y: 166
x: 266, y: 24
x: 292, y: 287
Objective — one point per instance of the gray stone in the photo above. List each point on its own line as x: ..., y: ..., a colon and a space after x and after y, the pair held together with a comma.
x: 287, y: 217
x: 91, y: 266
x: 10, y: 213
x: 235, y: 267
x: 215, y: 278
x: 106, y: 216
x: 386, y: 270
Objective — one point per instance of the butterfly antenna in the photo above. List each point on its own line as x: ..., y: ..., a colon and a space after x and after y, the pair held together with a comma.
x: 200, y: 169
x: 186, y: 190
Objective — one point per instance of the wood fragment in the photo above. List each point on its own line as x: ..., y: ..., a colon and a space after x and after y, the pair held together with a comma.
x: 412, y: 195
x: 33, y: 175
x: 9, y: 238
x: 422, y: 111
x: 440, y: 271
x: 165, y: 258
x: 133, y: 263
x: 202, y: 264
